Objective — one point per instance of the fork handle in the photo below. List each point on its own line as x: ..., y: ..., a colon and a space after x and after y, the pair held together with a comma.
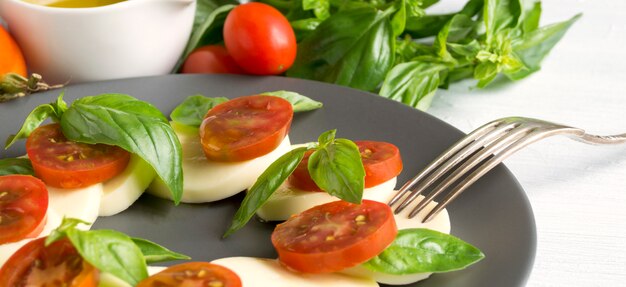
x: 601, y: 140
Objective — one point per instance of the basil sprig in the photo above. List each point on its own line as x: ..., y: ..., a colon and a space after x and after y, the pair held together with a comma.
x: 422, y: 250
x: 120, y: 120
x: 113, y: 252
x: 16, y: 166
x: 335, y: 166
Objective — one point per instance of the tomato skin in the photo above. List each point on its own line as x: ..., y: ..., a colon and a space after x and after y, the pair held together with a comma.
x: 381, y: 160
x: 260, y: 39
x: 334, y: 236
x: 193, y: 274
x: 211, y: 59
x: 300, y: 178
x: 65, y: 164
x: 12, y: 60
x: 38, y: 265
x: 245, y: 128
x: 23, y: 207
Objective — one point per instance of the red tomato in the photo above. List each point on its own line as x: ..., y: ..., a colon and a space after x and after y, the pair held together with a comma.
x: 12, y: 60
x: 334, y: 236
x: 260, y: 39
x: 245, y: 128
x: 67, y: 164
x: 381, y: 161
x: 193, y: 274
x: 58, y: 264
x: 23, y: 207
x: 212, y: 59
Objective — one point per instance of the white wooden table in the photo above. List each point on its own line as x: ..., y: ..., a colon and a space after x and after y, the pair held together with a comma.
x: 578, y: 192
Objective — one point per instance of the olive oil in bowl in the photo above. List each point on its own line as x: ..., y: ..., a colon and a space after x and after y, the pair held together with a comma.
x: 74, y: 3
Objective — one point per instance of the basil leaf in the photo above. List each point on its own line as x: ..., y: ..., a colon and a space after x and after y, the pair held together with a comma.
x: 16, y: 166
x: 537, y: 44
x: 337, y: 169
x: 430, y: 25
x: 133, y: 125
x: 36, y: 117
x: 300, y: 103
x: 458, y: 28
x: 485, y: 73
x: 61, y: 231
x: 192, y: 110
x: 321, y: 8
x: 499, y: 15
x: 530, y: 21
x: 468, y: 50
x: 398, y: 20
x: 423, y: 250
x: 326, y: 138
x: 154, y: 253
x: 112, y: 252
x: 358, y: 57
x: 413, y: 83
x: 264, y: 187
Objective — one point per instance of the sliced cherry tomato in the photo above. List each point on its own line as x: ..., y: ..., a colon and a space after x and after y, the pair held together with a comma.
x: 62, y: 163
x: 58, y: 264
x: 212, y: 59
x: 23, y: 207
x: 193, y: 274
x: 381, y: 161
x: 260, y: 39
x: 245, y: 128
x: 334, y: 236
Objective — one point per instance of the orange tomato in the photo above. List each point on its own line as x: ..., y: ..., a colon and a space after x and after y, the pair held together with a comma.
x: 12, y: 60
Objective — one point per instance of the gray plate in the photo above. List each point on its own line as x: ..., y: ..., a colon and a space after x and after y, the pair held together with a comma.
x: 494, y: 214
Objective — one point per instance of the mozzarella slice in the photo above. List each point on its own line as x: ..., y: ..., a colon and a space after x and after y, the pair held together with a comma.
x: 80, y: 203
x: 289, y: 200
x: 124, y: 189
x: 207, y: 181
x: 269, y: 272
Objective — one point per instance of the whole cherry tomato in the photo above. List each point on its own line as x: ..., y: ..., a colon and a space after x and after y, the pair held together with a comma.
x: 260, y: 39
x: 211, y: 59
x: 11, y: 59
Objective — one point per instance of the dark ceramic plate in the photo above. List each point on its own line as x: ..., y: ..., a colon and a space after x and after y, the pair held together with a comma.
x: 494, y: 214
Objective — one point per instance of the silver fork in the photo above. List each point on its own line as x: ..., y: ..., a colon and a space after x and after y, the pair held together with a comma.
x: 477, y: 153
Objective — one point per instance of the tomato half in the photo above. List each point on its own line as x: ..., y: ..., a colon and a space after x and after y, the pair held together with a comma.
x: 211, y: 59
x: 260, y: 39
x: 334, y: 236
x: 245, y: 128
x: 12, y: 60
x: 381, y: 161
x: 58, y: 264
x: 193, y: 274
x: 62, y: 163
x: 23, y: 207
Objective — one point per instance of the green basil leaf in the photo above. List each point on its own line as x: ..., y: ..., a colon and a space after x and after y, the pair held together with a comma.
x: 485, y: 73
x: 398, y: 20
x: 326, y: 138
x: 264, y: 187
x: 530, y: 21
x: 321, y: 8
x: 430, y: 25
x: 305, y: 24
x: 16, y: 166
x: 407, y: 50
x: 499, y: 15
x: 133, y: 125
x: 112, y: 252
x: 192, y: 110
x: 154, y: 253
x: 415, y: 8
x: 61, y: 231
x: 537, y: 44
x: 413, y: 83
x: 358, y: 57
x: 300, y: 103
x: 458, y: 28
x: 468, y: 50
x: 423, y: 250
x: 337, y: 169
x: 36, y: 117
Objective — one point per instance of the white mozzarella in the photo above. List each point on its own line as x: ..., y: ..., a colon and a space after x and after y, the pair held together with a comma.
x: 124, y: 189
x: 80, y: 203
x: 206, y: 181
x: 259, y: 272
x: 289, y: 200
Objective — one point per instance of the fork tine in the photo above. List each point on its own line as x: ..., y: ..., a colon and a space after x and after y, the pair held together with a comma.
x: 467, y: 146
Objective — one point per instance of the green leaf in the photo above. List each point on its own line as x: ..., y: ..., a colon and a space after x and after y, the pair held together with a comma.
x: 321, y: 8
x: 537, y: 44
x: 326, y: 138
x: 36, y: 117
x: 154, y: 253
x: 264, y: 187
x: 499, y: 15
x: 530, y: 21
x: 398, y: 20
x: 192, y: 110
x: 61, y: 231
x: 358, y: 57
x: 133, y: 125
x: 305, y: 24
x: 468, y: 50
x: 457, y: 29
x: 423, y: 250
x: 300, y: 103
x: 337, y: 169
x: 112, y: 252
x: 407, y: 49
x: 485, y: 73
x: 413, y: 83
x: 16, y: 166
x: 430, y: 25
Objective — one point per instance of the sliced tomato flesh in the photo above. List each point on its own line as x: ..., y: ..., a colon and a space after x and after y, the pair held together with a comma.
x: 58, y: 264
x: 381, y: 160
x: 193, y: 274
x: 245, y: 128
x: 300, y: 178
x: 62, y: 163
x: 23, y: 207
x: 334, y: 236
